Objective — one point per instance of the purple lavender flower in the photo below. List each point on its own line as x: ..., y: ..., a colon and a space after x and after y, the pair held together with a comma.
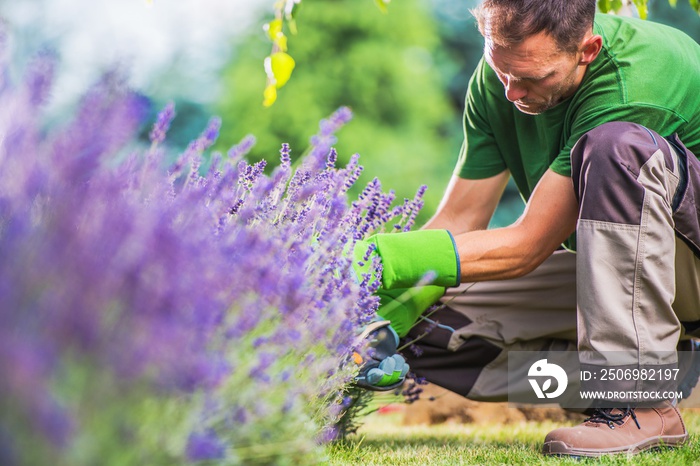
x: 204, y: 446
x: 208, y: 136
x: 332, y: 158
x: 162, y: 124
x: 40, y: 76
x: 416, y: 206
x: 284, y: 155
x: 54, y: 422
x: 322, y: 142
x: 328, y: 434
x: 338, y: 119
x: 240, y: 415
x: 134, y: 283
x: 265, y: 360
x: 416, y: 350
x: 242, y: 148
x: 412, y: 389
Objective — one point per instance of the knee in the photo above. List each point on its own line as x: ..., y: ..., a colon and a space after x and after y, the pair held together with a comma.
x: 605, y: 167
x: 613, y: 145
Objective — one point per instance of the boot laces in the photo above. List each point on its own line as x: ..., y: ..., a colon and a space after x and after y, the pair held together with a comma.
x: 606, y: 416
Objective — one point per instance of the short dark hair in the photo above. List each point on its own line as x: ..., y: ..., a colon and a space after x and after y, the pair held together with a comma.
x: 507, y: 22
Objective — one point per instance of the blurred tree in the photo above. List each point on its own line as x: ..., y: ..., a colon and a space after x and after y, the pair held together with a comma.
x: 382, y: 66
x: 681, y: 14
x: 462, y: 45
x: 462, y: 48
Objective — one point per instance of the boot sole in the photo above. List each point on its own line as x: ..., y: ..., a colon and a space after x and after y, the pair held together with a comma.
x: 558, y: 448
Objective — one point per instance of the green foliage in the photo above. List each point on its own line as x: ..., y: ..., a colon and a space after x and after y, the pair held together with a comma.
x: 609, y: 5
x: 612, y: 6
x: 381, y: 65
x: 645, y: 8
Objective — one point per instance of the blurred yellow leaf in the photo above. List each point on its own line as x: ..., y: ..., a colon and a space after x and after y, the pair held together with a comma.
x: 382, y: 4
x: 269, y: 95
x: 273, y: 28
x: 281, y: 42
x: 278, y: 67
x: 274, y: 32
x: 642, y: 7
x: 281, y: 66
x: 292, y: 24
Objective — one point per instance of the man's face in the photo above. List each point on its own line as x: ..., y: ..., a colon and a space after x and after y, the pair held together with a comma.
x: 535, y: 73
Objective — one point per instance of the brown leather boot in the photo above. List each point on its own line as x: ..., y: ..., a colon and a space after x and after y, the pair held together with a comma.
x: 610, y: 431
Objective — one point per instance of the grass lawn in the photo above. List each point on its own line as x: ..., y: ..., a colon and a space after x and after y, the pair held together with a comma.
x: 383, y: 440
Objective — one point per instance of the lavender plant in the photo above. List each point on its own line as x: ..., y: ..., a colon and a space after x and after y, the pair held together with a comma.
x: 154, y: 314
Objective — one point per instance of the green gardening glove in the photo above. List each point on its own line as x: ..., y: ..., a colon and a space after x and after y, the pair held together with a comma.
x: 406, y: 259
x: 403, y: 307
x: 409, y: 257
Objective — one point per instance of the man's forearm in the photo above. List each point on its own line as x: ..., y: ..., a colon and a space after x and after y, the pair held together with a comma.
x: 454, y: 223
x: 549, y: 219
x: 499, y: 254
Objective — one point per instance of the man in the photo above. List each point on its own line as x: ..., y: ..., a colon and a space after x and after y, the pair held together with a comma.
x: 596, y: 118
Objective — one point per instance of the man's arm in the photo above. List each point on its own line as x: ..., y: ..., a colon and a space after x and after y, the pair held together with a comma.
x: 550, y: 217
x: 468, y: 205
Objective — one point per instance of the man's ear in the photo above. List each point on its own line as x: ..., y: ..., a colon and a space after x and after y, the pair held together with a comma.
x: 590, y: 48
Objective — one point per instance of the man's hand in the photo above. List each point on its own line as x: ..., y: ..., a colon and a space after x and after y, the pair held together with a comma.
x: 407, y: 260
x: 408, y: 257
x: 382, y: 369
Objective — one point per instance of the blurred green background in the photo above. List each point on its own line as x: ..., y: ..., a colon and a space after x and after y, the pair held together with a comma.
x: 403, y: 74
x: 391, y: 69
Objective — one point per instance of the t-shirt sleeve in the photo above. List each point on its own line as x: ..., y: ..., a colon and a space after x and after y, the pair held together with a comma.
x: 479, y: 156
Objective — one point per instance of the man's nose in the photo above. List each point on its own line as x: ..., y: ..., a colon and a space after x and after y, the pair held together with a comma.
x: 514, y: 91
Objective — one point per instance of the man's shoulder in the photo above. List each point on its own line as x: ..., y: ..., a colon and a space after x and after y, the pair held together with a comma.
x: 647, y: 74
x: 638, y: 56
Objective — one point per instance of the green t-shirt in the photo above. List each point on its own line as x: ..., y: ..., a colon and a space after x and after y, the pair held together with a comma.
x: 646, y: 73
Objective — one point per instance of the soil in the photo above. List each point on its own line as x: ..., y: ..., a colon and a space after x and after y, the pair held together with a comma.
x: 437, y: 405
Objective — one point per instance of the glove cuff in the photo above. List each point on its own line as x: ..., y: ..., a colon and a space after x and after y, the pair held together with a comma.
x: 408, y: 257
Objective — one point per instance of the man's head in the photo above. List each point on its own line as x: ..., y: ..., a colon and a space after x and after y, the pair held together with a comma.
x: 539, y: 49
